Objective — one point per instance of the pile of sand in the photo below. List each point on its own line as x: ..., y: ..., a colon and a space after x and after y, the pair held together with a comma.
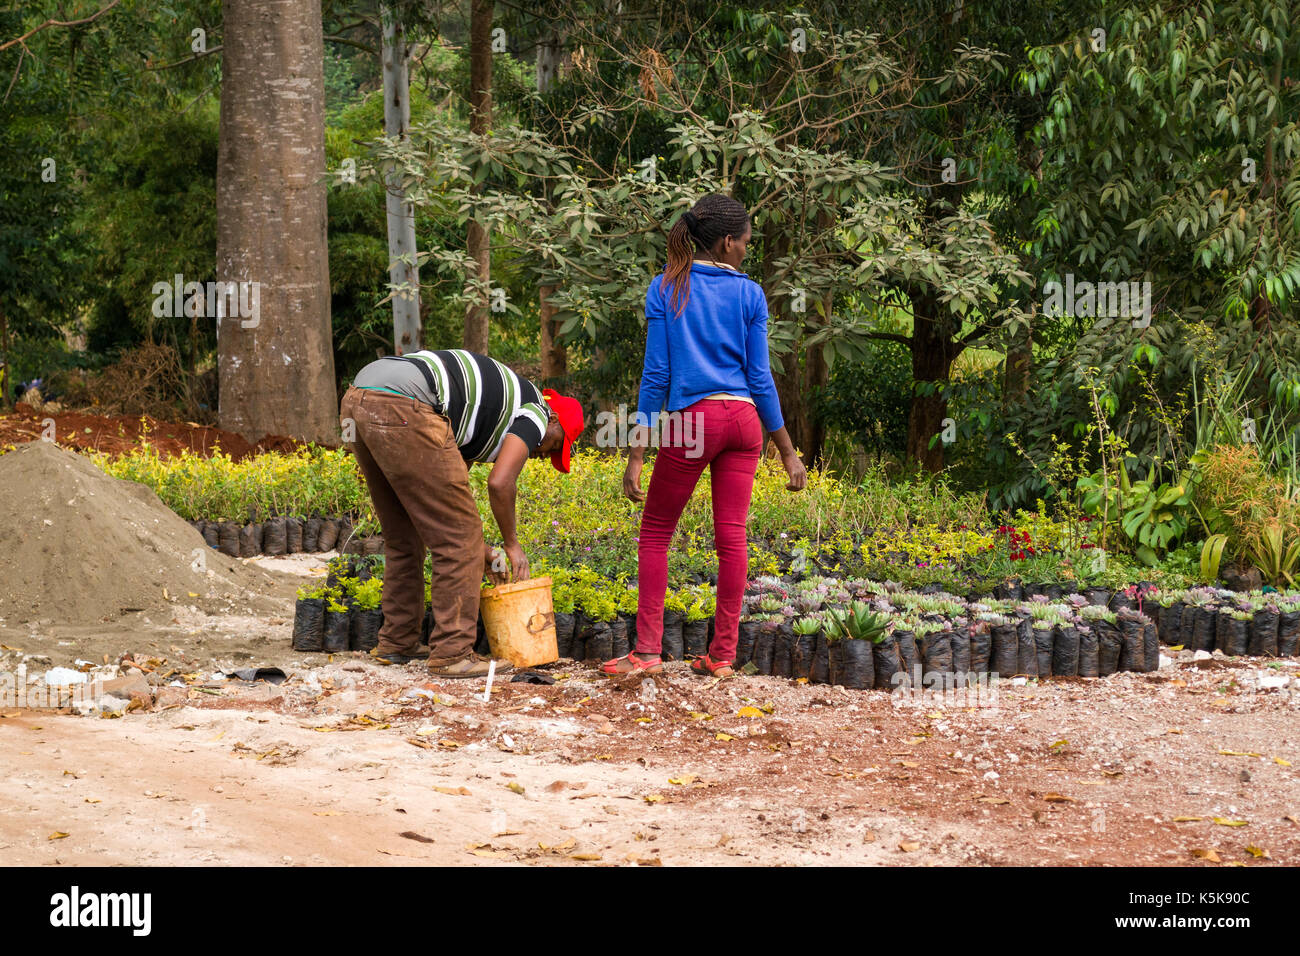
x: 80, y: 547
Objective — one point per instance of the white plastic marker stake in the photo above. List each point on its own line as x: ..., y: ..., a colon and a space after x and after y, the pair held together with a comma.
x: 487, y: 691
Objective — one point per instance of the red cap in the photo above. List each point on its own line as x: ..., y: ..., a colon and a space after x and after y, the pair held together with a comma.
x: 569, y: 412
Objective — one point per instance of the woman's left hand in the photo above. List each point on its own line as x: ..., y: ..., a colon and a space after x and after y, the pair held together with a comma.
x: 632, y: 479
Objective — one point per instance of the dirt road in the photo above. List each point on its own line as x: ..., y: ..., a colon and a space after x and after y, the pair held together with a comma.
x: 352, y: 763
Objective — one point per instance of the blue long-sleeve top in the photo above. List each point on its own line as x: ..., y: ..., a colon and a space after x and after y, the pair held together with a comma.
x: 717, y: 344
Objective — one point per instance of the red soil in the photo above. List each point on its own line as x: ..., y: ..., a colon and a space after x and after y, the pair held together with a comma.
x: 122, y: 433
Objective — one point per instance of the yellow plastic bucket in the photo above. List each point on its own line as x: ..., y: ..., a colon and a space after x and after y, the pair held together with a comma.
x: 520, y: 622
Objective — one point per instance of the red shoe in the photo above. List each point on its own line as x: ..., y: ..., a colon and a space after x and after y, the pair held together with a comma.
x: 630, y: 664
x: 707, y: 666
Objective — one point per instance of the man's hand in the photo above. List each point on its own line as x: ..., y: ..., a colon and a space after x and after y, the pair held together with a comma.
x: 518, y: 562
x: 496, y: 565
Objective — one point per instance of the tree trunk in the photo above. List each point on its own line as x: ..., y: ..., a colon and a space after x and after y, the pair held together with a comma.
x: 275, y: 350
x: 1019, y: 363
x: 932, y: 355
x: 401, y: 213
x: 555, y: 360
x: 480, y: 119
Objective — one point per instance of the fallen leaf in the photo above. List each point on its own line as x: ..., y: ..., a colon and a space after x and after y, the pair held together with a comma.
x: 1059, y: 743
x: 1258, y: 852
x: 1239, y: 753
x: 907, y: 763
x: 566, y: 845
x: 93, y: 800
x: 909, y: 847
x: 327, y: 813
x: 590, y: 857
x: 514, y: 787
x: 700, y: 715
x: 1290, y: 819
x: 604, y: 757
x: 1281, y: 763
x: 644, y: 720
x: 449, y: 744
x: 1188, y: 819
x: 426, y: 731
x: 217, y: 737
x: 654, y: 798
x: 1058, y: 798
x: 1225, y: 822
x: 1208, y: 855
x: 682, y: 780
x: 57, y: 835
x: 724, y: 737
x: 996, y: 801
x: 749, y: 712
x: 417, y: 837
x: 454, y: 791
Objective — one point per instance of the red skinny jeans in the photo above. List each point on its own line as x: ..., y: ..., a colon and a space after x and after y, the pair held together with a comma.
x: 726, y: 436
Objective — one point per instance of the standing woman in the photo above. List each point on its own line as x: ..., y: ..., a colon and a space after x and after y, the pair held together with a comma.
x: 706, y: 362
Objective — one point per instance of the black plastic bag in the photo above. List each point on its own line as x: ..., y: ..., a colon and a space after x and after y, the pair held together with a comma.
x: 820, y: 672
x: 783, y: 650
x: 1065, y: 651
x: 857, y: 671
x: 674, y: 645
x: 581, y: 631
x: 1009, y: 591
x: 1237, y: 637
x: 337, y: 628
x: 765, y: 646
x: 1263, y: 633
x: 274, y: 537
x: 228, y: 538
x: 886, y: 664
x: 1132, y: 655
x: 1027, y: 650
x: 1089, y: 661
x: 1099, y: 597
x: 328, y: 536
x: 1169, y: 623
x: 1004, y: 649
x: 364, y: 632
x: 1109, y: 644
x: 426, y: 625
x: 981, y: 647
x: 1221, y: 629
x: 835, y: 661
x: 482, y: 646
x: 212, y: 534
x: 309, y: 624
x: 347, y: 541
x: 801, y: 656
x: 1054, y: 591
x: 1288, y: 633
x: 1120, y: 601
x: 1204, y: 620
x: 936, y: 657
x: 695, y: 638
x: 564, y: 634
x: 905, y: 641
x: 1043, y: 648
x: 311, y: 534
x: 959, y: 642
x: 618, y: 638
x: 745, y: 635
x: 1151, y: 645
x: 250, y: 540
x: 292, y: 535
x: 600, y: 643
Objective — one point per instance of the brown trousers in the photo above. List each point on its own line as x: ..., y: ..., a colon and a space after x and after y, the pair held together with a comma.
x: 420, y: 488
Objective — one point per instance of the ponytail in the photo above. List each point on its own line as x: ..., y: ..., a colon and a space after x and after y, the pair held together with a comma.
x: 712, y: 218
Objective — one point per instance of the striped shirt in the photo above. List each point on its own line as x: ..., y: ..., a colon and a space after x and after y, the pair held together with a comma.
x: 483, y: 400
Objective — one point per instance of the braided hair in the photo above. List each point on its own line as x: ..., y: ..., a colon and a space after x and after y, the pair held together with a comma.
x: 710, y: 220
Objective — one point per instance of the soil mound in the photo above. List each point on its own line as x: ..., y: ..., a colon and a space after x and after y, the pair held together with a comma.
x: 80, y: 547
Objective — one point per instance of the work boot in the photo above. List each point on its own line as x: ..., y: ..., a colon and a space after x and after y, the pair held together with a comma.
x: 393, y: 657
x: 471, y: 665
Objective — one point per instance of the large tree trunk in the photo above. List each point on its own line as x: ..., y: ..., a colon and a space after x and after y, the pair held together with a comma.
x: 555, y: 360
x: 401, y: 214
x: 932, y: 356
x: 480, y: 119
x: 275, y: 357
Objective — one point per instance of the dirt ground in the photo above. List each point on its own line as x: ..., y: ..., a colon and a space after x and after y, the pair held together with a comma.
x: 85, y: 431
x: 349, y: 762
